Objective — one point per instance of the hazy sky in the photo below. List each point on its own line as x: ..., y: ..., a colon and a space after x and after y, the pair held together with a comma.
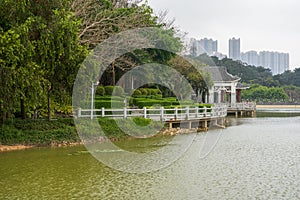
x: 272, y: 25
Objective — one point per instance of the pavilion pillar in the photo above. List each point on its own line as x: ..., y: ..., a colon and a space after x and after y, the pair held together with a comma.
x: 238, y: 93
x: 233, y: 98
x: 222, y: 96
x: 233, y: 94
x: 219, y: 96
x: 211, y: 96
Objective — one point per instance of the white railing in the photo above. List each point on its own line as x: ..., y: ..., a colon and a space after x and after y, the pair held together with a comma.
x: 243, y: 106
x: 157, y: 113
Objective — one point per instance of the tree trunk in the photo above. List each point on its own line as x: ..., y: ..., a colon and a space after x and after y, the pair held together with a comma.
x: 22, y: 104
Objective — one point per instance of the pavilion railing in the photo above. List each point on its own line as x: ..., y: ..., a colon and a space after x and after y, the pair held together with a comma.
x: 242, y: 106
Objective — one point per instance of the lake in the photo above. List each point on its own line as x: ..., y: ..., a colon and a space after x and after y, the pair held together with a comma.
x: 254, y: 158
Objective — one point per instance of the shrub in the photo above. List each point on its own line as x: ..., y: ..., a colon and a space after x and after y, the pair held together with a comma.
x: 118, y: 91
x: 100, y: 91
x: 144, y: 91
x: 108, y: 104
x: 156, y: 91
x: 151, y: 102
x: 137, y: 93
x: 109, y: 98
x: 152, y: 91
x: 109, y: 90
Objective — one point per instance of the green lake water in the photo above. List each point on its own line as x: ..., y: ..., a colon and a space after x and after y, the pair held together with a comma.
x: 255, y: 158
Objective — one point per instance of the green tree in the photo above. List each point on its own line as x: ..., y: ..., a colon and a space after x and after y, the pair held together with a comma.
x: 40, y: 52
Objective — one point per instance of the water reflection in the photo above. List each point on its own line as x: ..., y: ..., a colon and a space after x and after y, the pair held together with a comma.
x: 278, y: 112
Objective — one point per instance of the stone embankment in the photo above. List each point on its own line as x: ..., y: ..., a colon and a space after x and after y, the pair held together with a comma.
x: 178, y: 131
x: 13, y: 148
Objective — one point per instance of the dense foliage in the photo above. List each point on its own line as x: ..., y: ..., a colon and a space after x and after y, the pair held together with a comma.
x: 265, y: 94
x: 40, y: 54
x: 43, y: 43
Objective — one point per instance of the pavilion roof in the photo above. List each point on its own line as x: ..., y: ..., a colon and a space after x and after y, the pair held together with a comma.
x: 242, y: 86
x: 220, y: 74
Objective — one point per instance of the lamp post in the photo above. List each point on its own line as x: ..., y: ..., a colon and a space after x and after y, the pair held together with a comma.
x: 92, y: 101
x: 125, y: 102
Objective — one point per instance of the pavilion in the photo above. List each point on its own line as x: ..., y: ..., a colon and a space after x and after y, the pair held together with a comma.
x: 226, y: 87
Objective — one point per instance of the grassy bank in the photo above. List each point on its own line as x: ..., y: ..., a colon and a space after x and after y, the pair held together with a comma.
x: 62, y: 131
x: 38, y: 132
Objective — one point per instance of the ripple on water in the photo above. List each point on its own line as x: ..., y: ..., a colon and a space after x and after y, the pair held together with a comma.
x: 258, y: 159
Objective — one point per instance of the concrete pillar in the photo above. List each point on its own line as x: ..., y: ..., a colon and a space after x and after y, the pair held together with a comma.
x: 219, y: 96
x: 233, y: 99
x: 190, y: 125
x: 233, y: 94
x: 211, y: 96
x: 204, y: 124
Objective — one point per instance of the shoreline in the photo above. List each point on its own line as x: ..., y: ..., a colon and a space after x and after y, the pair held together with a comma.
x: 5, y: 148
x: 278, y: 106
x: 164, y: 132
x: 16, y: 147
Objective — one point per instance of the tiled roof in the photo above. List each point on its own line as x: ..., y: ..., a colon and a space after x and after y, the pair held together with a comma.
x: 242, y: 86
x: 220, y: 74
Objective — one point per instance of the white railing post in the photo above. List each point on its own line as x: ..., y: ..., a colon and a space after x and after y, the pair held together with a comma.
x: 204, y: 111
x: 102, y: 112
x: 161, y: 113
x: 176, y: 112
x: 197, y: 111
x: 125, y: 112
x: 145, y: 112
x: 187, y: 113
x: 79, y: 112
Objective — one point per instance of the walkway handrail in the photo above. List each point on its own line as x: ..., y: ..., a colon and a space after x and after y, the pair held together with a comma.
x: 243, y: 106
x: 161, y: 114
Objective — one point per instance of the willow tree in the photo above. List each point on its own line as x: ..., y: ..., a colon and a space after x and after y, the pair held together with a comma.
x: 22, y: 80
x: 43, y: 54
x: 59, y: 53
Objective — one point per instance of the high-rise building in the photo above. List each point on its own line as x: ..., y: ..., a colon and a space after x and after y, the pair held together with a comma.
x: 208, y: 46
x: 277, y: 62
x: 250, y: 57
x: 235, y: 49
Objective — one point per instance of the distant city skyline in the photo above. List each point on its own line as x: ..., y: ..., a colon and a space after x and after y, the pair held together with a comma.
x: 268, y: 25
x: 277, y: 62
